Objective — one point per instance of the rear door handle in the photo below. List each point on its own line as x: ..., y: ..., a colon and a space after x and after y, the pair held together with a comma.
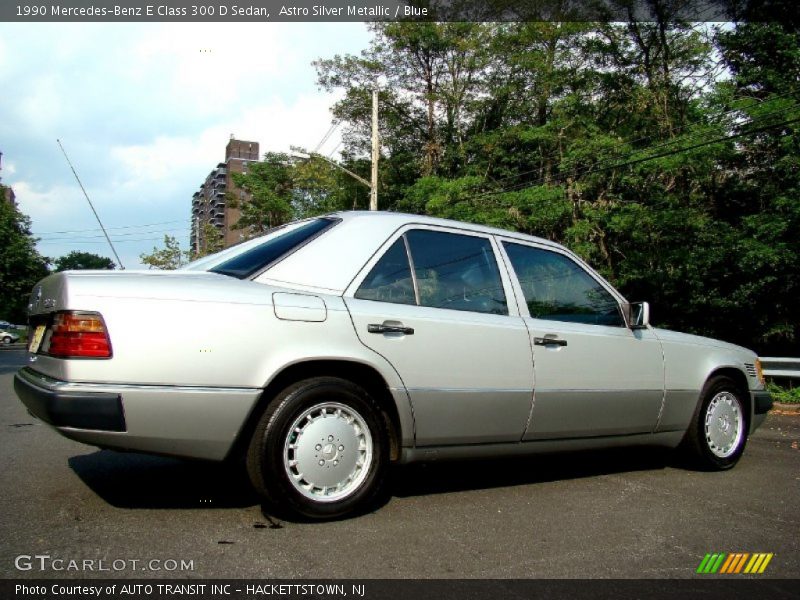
x: 547, y: 341
x: 383, y: 328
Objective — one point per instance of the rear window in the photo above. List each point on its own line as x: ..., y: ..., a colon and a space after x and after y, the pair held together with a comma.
x: 264, y: 255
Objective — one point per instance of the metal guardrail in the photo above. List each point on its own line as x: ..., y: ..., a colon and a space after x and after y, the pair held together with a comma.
x: 780, y: 367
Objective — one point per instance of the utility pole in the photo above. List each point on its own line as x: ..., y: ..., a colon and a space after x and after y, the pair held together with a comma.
x: 373, y: 192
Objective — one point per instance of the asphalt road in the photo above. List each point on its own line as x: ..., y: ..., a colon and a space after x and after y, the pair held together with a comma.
x: 631, y: 513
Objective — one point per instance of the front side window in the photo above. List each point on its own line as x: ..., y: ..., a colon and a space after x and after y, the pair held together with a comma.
x: 556, y: 288
x: 452, y: 271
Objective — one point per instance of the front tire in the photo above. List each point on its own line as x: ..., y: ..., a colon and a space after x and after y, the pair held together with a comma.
x: 717, y: 436
x: 320, y: 450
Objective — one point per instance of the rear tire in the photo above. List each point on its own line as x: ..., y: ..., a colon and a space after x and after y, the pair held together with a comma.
x: 717, y: 435
x: 320, y: 450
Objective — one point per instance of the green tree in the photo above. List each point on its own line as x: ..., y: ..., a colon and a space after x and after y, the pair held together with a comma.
x: 76, y: 260
x: 269, y: 184
x: 169, y: 257
x: 284, y: 188
x: 430, y: 76
x: 21, y: 265
x: 210, y: 239
x: 761, y: 198
x: 319, y: 188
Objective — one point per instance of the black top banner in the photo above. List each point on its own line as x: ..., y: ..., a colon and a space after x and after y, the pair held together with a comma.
x: 394, y: 10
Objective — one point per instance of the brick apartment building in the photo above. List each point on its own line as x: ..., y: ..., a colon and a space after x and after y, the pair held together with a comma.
x: 209, y: 203
x: 6, y: 193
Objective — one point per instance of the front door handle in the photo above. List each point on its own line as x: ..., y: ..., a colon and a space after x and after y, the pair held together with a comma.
x: 383, y: 328
x: 548, y: 341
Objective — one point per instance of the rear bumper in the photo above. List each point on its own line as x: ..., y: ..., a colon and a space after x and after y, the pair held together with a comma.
x: 186, y: 421
x: 48, y: 400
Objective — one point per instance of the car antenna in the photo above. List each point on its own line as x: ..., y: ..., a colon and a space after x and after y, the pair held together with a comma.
x: 105, y: 233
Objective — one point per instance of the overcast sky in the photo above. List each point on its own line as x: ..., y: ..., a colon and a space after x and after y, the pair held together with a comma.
x: 144, y: 112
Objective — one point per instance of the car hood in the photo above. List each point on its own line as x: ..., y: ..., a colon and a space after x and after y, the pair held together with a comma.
x: 667, y: 335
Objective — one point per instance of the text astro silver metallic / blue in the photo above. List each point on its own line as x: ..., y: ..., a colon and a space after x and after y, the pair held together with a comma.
x: 345, y: 342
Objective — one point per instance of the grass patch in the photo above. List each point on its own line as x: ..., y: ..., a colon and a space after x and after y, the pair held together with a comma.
x: 783, y: 394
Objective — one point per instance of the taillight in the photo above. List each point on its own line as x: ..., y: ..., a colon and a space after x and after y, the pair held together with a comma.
x: 78, y: 335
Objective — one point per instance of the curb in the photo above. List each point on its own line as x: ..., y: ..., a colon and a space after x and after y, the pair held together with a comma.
x: 782, y: 408
x: 16, y: 346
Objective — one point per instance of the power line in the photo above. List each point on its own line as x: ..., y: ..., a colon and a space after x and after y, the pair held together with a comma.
x: 334, y: 126
x: 702, y: 132
x: 646, y: 158
x: 708, y: 143
x: 596, y: 166
x: 110, y: 228
x: 116, y: 237
x: 682, y: 127
x: 68, y: 243
x: 335, y: 148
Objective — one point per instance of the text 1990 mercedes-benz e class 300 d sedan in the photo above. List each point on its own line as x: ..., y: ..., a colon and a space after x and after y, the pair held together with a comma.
x: 356, y: 339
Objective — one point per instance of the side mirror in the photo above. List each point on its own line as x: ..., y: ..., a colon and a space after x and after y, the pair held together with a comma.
x: 638, y: 315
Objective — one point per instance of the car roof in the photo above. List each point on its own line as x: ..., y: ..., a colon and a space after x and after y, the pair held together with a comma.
x: 330, y: 262
x: 395, y: 220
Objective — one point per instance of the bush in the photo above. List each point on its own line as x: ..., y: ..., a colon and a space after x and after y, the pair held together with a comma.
x: 783, y: 394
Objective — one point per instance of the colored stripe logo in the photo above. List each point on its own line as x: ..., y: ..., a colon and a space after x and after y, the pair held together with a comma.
x: 734, y: 563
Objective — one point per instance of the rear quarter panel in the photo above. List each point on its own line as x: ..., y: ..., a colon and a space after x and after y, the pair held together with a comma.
x: 202, y: 331
x: 205, y: 330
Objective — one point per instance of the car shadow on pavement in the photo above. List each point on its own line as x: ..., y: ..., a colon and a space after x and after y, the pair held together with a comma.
x: 129, y: 480
x: 456, y: 476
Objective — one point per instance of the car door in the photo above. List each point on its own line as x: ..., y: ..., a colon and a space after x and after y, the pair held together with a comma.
x: 436, y: 305
x: 594, y: 375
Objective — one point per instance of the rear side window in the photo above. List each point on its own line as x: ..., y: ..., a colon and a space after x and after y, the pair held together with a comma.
x: 262, y: 256
x: 390, y: 278
x: 556, y: 288
x: 455, y: 271
x: 452, y: 271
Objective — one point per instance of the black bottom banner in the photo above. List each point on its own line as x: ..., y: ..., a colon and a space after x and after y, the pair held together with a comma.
x: 391, y: 589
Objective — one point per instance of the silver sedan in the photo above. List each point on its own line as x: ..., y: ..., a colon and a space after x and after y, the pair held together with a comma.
x: 360, y: 339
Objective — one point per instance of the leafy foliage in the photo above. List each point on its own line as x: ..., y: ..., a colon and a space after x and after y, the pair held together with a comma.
x: 785, y: 395
x: 269, y: 184
x: 77, y: 260
x: 21, y: 266
x: 169, y: 257
x: 210, y: 239
x: 283, y: 187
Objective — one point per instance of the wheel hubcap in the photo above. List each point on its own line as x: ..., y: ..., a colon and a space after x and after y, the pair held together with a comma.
x: 724, y: 424
x: 328, y: 452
